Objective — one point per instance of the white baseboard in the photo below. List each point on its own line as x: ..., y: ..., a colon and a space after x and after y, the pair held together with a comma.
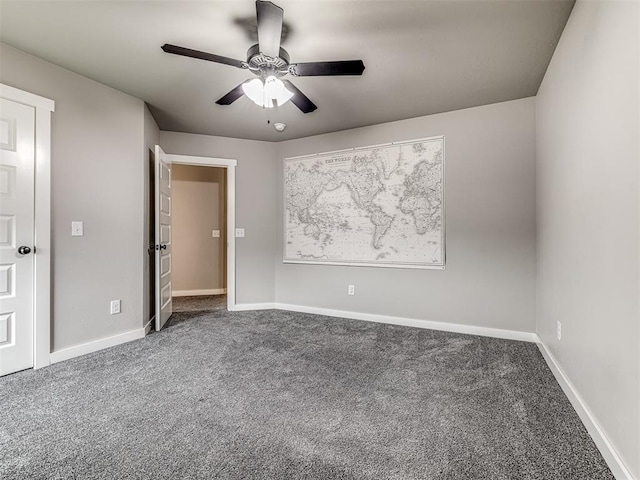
x: 600, y: 439
x: 90, y: 347
x: 147, y: 327
x: 241, y: 307
x: 408, y: 322
x: 195, y: 293
x: 413, y: 322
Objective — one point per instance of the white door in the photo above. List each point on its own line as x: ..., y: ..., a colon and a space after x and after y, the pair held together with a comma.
x: 17, y: 139
x: 164, y: 306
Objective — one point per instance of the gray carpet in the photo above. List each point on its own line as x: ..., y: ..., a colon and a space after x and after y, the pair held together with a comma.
x: 280, y: 395
x: 200, y: 303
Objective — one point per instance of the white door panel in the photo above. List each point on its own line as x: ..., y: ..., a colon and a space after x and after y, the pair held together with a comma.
x: 17, y: 140
x: 164, y: 305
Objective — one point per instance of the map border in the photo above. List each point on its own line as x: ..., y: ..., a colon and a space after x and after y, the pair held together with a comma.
x: 367, y: 264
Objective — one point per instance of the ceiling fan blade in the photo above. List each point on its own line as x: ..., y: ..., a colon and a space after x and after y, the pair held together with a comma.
x: 269, y: 27
x: 187, y: 52
x: 314, y: 69
x: 299, y: 99
x: 232, y: 96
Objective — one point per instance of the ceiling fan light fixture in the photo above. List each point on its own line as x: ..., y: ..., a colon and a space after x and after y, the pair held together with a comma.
x: 268, y: 94
x: 268, y: 59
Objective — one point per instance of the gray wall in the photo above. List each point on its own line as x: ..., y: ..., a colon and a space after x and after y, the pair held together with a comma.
x: 151, y: 139
x: 255, y: 205
x: 489, y: 279
x: 588, y: 215
x: 96, y: 177
x: 198, y: 207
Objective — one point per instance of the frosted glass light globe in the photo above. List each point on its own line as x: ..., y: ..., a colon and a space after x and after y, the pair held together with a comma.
x: 274, y: 89
x: 272, y: 92
x: 254, y: 90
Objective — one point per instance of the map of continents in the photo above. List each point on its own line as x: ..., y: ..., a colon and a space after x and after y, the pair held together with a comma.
x: 379, y: 206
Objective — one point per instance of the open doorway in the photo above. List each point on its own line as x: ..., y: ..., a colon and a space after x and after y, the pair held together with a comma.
x: 220, y: 171
x: 199, y: 238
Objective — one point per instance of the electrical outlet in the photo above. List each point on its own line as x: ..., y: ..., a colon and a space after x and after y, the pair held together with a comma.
x: 559, y: 330
x: 215, y: 233
x: 352, y: 290
x: 77, y: 229
x: 239, y: 232
x: 115, y: 307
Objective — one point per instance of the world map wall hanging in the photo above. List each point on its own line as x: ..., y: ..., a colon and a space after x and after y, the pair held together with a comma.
x: 377, y: 206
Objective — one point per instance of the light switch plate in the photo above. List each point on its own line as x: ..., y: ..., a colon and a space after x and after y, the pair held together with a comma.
x: 239, y: 232
x: 215, y: 233
x: 77, y: 229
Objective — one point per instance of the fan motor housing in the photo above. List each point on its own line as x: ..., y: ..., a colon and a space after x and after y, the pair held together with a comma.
x: 261, y: 64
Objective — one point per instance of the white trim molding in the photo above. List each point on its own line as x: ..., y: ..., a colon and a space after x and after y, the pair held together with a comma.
x: 26, y: 98
x: 147, y: 327
x: 230, y: 166
x: 42, y: 225
x: 407, y: 322
x: 243, y: 307
x: 607, y: 450
x: 203, y: 161
x: 94, y: 346
x: 195, y: 293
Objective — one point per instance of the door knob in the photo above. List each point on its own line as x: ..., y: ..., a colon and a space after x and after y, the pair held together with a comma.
x: 24, y: 250
x: 163, y: 247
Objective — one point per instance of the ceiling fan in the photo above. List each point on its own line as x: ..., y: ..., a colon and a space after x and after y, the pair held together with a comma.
x: 269, y: 62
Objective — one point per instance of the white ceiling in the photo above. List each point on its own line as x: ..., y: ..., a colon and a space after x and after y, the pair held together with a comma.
x: 421, y: 57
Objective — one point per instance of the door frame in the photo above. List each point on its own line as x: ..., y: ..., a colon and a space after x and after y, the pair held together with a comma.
x: 42, y: 224
x: 230, y: 166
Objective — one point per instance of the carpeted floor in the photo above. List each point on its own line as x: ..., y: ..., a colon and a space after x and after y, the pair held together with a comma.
x: 282, y: 395
x: 200, y: 303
